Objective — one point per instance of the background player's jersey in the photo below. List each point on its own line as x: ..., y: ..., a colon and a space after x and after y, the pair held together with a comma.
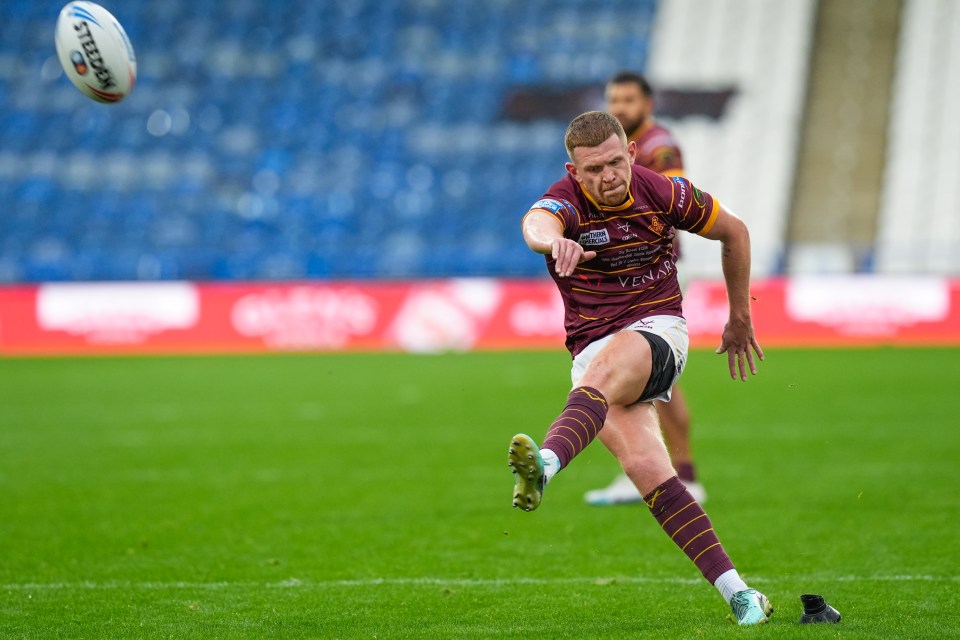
x: 633, y: 275
x: 658, y: 151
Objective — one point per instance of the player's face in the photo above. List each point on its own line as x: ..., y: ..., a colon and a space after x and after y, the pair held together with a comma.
x: 604, y: 171
x: 626, y: 102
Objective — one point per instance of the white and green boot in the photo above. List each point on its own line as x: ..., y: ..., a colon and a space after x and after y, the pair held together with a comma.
x: 750, y: 607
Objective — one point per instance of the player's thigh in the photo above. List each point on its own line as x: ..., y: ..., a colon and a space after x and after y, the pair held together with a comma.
x: 621, y: 369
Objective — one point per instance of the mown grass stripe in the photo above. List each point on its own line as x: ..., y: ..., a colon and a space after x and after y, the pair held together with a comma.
x: 436, y: 582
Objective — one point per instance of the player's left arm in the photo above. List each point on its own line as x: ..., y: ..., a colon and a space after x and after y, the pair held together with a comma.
x: 738, y: 338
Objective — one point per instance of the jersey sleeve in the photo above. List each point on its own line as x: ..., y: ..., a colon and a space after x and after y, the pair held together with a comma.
x: 667, y: 160
x: 559, y: 208
x: 690, y: 208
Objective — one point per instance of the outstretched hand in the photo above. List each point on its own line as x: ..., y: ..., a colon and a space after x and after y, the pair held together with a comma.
x: 736, y: 342
x: 568, y: 255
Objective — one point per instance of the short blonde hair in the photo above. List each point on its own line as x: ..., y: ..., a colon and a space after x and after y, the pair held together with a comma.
x: 591, y: 129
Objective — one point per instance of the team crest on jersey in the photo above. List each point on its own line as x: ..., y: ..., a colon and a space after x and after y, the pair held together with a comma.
x: 655, y: 225
x: 594, y: 238
x: 698, y: 197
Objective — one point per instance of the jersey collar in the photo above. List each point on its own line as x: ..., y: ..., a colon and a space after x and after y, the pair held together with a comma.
x: 620, y: 207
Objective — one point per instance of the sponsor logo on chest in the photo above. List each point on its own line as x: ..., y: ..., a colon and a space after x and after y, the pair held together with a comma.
x: 594, y: 238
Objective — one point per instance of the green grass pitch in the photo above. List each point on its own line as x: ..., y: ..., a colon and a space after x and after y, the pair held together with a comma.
x: 368, y: 496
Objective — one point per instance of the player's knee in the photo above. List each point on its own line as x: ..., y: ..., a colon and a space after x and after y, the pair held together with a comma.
x: 638, y: 465
x: 647, y: 470
x: 599, y: 375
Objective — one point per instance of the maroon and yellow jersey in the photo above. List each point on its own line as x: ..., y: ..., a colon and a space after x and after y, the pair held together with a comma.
x: 633, y: 275
x: 658, y: 151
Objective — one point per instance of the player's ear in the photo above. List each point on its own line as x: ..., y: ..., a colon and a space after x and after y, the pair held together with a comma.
x: 572, y: 170
x: 632, y: 151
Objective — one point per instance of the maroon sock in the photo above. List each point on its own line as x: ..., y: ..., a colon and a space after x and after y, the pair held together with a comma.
x: 686, y: 472
x: 684, y: 520
x: 578, y: 425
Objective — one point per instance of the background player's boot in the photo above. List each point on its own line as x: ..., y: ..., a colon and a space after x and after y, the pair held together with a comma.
x: 696, y: 490
x: 623, y: 491
x: 816, y: 609
x: 620, y: 491
x: 750, y: 607
x: 527, y: 466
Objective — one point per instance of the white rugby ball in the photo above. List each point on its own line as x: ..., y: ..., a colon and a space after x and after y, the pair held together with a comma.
x: 95, y: 52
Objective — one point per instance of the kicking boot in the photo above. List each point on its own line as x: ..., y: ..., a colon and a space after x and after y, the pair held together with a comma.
x: 527, y: 466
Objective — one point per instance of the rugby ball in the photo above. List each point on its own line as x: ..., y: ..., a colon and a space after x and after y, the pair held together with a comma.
x: 95, y: 52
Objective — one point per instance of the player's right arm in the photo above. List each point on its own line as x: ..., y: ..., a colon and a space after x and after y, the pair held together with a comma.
x: 698, y: 212
x: 738, y: 337
x: 543, y: 233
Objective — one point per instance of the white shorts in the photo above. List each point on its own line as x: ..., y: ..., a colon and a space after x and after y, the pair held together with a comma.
x: 672, y: 329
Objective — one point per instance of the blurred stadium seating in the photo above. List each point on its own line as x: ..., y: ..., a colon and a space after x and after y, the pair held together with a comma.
x: 333, y: 139
x: 386, y: 139
x: 919, y: 225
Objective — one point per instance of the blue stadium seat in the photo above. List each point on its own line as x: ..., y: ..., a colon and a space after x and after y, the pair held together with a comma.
x: 304, y: 139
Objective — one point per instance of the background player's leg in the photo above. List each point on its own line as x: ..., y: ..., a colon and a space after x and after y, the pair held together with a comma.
x: 675, y: 424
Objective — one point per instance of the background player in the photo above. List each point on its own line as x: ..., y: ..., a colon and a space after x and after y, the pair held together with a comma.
x: 626, y: 332
x: 629, y: 97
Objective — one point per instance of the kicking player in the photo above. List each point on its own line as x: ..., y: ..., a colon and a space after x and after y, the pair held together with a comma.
x: 606, y: 232
x: 630, y: 98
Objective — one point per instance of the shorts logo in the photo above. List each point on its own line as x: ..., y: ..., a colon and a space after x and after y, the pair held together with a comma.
x: 656, y: 226
x: 594, y: 238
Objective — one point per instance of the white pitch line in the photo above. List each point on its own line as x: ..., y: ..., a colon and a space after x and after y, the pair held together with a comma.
x: 436, y: 582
